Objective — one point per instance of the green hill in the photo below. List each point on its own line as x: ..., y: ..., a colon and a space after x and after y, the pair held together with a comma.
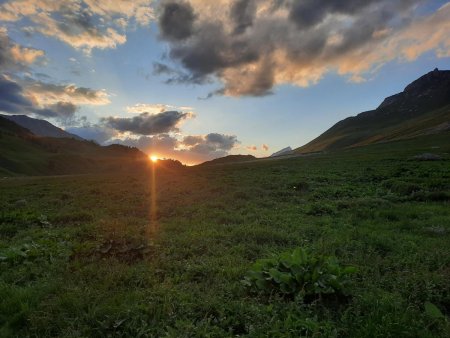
x: 23, y: 153
x: 423, y: 108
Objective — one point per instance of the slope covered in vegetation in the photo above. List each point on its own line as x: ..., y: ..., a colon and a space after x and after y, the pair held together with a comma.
x: 165, y: 254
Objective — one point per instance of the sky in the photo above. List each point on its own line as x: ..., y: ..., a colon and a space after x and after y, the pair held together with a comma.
x: 198, y: 79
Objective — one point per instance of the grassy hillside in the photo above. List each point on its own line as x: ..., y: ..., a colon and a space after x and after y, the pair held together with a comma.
x: 422, y: 108
x: 164, y: 255
x: 23, y: 153
x: 370, y: 130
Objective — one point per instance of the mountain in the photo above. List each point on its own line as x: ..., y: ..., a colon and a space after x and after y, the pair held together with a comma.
x: 24, y: 153
x: 11, y: 128
x: 284, y: 151
x: 229, y: 159
x: 422, y: 108
x: 40, y: 127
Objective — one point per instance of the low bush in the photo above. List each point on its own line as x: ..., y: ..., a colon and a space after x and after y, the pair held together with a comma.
x: 299, y: 274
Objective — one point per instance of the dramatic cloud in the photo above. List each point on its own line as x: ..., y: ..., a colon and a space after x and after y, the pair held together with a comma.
x: 83, y: 24
x: 43, y: 94
x: 79, y: 30
x: 218, y: 142
x: 30, y: 97
x: 177, y: 76
x: 13, y: 100
x: 189, y: 149
x: 146, y: 123
x: 163, y: 145
x: 14, y: 57
x: 252, y: 46
x: 176, y: 20
x: 242, y: 13
x: 63, y: 110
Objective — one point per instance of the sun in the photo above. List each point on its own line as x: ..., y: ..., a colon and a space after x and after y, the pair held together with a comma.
x: 154, y: 159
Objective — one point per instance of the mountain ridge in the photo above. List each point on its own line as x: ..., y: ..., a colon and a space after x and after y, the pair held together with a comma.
x: 422, y: 107
x: 24, y: 153
x: 40, y: 127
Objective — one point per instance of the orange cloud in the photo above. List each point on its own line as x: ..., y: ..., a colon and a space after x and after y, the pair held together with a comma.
x: 252, y: 46
x: 16, y: 57
x: 82, y: 24
x: 43, y: 94
x: 190, y: 149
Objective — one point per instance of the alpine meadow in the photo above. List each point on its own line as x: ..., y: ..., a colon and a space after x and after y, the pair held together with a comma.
x: 236, y: 168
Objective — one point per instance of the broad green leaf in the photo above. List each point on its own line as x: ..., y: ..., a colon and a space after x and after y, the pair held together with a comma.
x: 433, y: 311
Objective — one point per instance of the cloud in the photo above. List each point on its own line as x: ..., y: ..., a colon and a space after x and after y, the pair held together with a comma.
x: 43, y: 93
x: 14, y: 57
x: 155, y: 108
x: 82, y: 24
x: 78, y: 30
x: 219, y: 142
x: 139, y: 10
x: 189, y: 149
x: 146, y: 123
x: 31, y: 97
x: 177, y: 76
x: 176, y: 21
x: 13, y: 100
x: 162, y: 144
x: 252, y: 46
x: 306, y: 14
x: 243, y: 13
x: 265, y: 147
x: 62, y: 110
x: 93, y: 132
x: 155, y: 130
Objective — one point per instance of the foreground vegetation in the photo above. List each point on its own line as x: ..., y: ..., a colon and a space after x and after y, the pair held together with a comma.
x: 88, y: 255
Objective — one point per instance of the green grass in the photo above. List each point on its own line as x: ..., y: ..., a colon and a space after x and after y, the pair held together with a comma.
x: 80, y: 255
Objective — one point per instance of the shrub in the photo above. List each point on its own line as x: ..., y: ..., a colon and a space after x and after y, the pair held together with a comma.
x: 298, y: 274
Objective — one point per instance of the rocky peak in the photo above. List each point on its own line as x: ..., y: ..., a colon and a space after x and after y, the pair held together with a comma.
x: 431, y: 90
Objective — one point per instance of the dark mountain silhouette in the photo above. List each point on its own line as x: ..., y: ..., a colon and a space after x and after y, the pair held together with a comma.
x: 422, y: 108
x: 40, y: 127
x: 24, y: 153
x: 229, y: 159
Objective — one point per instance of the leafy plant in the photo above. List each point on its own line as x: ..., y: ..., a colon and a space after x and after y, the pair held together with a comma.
x: 299, y: 274
x: 433, y: 311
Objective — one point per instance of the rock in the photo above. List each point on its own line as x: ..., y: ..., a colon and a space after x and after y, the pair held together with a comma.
x: 436, y: 230
x: 428, y: 157
x: 20, y: 203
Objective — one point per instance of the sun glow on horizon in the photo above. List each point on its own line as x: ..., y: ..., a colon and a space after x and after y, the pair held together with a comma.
x: 154, y: 158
